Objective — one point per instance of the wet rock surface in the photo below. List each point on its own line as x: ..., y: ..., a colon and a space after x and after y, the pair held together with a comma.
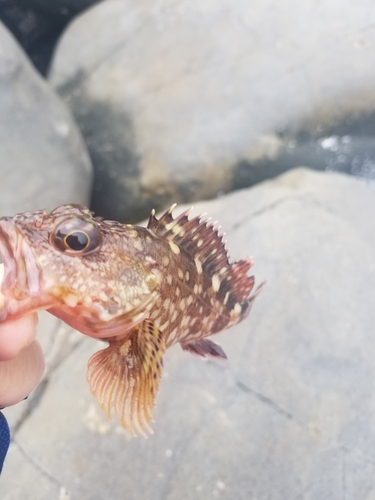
x: 289, y: 415
x: 346, y: 147
x: 182, y: 101
x: 44, y: 161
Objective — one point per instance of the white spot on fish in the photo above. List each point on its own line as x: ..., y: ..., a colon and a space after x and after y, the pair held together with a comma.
x: 169, y: 279
x: 235, y: 311
x: 42, y: 259
x: 165, y: 261
x: 185, y: 321
x: 180, y: 273
x: 155, y: 314
x: 198, y: 265
x: 157, y: 322
x: 215, y: 282
x: 237, y: 308
x: 164, y: 325
x: 178, y: 230
x: 138, y: 245
x: 174, y: 248
x: 71, y: 300
x: 173, y: 333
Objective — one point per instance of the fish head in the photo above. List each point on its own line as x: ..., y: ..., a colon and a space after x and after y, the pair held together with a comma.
x: 74, y: 265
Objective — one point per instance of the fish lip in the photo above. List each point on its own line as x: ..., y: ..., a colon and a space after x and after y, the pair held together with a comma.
x: 8, y: 233
x: 21, y: 271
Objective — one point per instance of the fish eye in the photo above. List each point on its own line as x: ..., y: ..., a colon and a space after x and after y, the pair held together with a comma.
x: 76, y: 236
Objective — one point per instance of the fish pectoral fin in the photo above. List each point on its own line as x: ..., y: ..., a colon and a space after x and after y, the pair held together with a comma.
x: 204, y: 348
x: 125, y: 377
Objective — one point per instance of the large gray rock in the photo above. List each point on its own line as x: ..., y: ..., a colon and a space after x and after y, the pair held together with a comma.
x: 179, y: 101
x: 44, y: 161
x: 289, y: 415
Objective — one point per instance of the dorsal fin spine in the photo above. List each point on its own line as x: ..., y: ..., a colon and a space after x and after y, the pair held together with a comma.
x: 199, y: 237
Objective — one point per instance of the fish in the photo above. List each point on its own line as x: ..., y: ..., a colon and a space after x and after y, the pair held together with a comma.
x: 140, y: 289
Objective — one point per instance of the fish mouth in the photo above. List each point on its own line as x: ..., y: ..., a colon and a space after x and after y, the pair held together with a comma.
x: 19, y: 279
x: 7, y: 257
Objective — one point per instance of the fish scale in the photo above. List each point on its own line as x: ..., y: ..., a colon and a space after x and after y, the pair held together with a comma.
x: 139, y: 289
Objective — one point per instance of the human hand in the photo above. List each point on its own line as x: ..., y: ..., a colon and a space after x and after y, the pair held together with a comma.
x: 21, y: 358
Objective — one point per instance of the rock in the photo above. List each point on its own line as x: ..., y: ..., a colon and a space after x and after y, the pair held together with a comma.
x: 37, y: 24
x: 185, y: 100
x: 44, y: 161
x: 288, y: 415
x: 347, y: 146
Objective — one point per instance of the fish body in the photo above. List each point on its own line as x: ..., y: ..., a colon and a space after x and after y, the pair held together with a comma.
x: 140, y: 289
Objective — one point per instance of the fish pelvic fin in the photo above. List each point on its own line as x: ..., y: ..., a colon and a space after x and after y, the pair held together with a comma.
x: 204, y: 348
x: 125, y: 377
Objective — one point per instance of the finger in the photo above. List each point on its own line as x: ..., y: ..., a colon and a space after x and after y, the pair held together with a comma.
x: 20, y: 375
x: 17, y: 334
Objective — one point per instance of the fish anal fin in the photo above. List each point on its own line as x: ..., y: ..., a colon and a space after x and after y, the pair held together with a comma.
x: 204, y: 348
x: 125, y: 377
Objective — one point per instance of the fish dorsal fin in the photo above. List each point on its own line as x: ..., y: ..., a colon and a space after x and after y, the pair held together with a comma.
x: 125, y: 376
x: 201, y: 240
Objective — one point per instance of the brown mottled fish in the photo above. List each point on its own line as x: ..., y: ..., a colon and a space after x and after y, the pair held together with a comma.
x: 140, y: 289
